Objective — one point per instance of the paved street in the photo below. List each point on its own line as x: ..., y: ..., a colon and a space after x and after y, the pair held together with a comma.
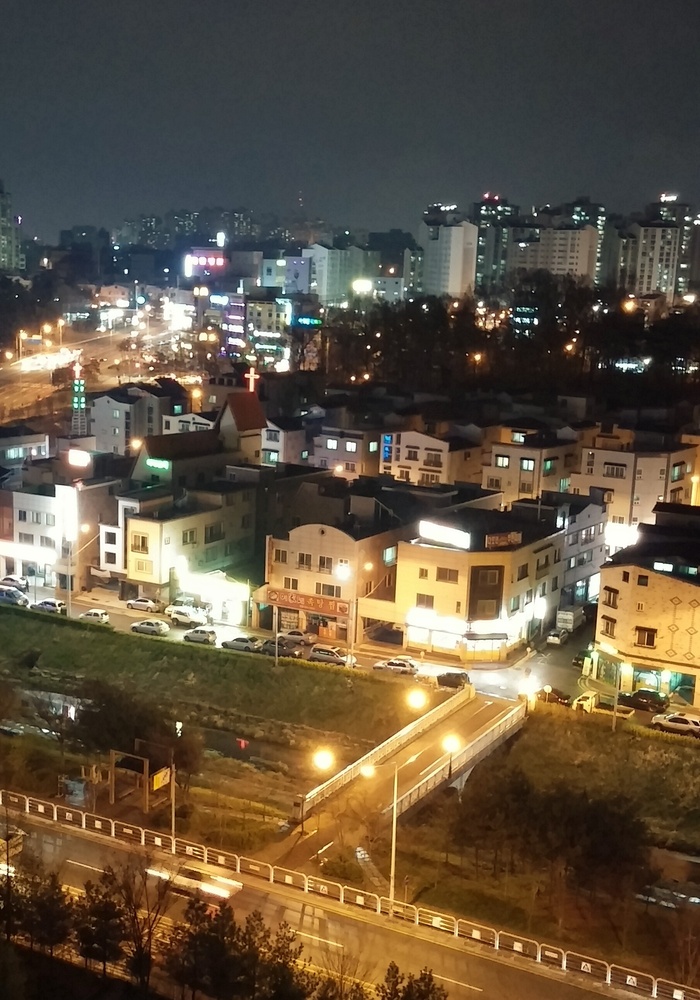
x: 328, y: 929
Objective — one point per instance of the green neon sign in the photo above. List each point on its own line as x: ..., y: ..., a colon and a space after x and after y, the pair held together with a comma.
x: 158, y: 463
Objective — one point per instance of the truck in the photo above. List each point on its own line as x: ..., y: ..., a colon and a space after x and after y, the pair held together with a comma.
x: 571, y: 618
x: 593, y: 701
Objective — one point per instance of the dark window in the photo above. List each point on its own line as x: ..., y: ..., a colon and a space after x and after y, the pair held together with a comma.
x: 643, y: 580
x: 424, y: 600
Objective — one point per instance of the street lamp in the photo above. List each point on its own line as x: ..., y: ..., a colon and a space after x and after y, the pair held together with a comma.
x: 322, y: 759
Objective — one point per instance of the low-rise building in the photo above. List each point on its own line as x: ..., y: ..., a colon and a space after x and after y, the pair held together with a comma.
x: 635, y: 474
x: 190, y: 422
x: 284, y: 439
x: 530, y: 463
x: 649, y: 609
x: 347, y: 453
x: 583, y: 519
x: 425, y: 460
x: 19, y: 443
x: 120, y: 418
x: 478, y: 583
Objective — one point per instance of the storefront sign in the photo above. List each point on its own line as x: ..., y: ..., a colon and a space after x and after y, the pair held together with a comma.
x: 306, y: 602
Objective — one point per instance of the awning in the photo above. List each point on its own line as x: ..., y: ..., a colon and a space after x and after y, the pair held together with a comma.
x: 487, y: 637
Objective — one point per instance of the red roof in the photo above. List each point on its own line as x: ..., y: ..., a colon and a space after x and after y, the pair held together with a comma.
x: 246, y: 410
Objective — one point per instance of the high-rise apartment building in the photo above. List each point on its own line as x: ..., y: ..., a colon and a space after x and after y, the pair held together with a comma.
x: 11, y: 256
x: 561, y: 250
x: 649, y: 259
x: 449, y: 252
x: 489, y: 215
x: 669, y: 209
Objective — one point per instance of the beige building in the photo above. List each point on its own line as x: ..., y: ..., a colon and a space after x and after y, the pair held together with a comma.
x: 477, y: 583
x: 648, y: 627
x: 347, y: 453
x: 635, y: 474
x: 561, y: 250
x: 530, y: 463
x: 426, y: 460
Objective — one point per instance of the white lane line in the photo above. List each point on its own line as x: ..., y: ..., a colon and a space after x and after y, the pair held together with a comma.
x: 315, y: 937
x: 81, y: 864
x: 456, y: 982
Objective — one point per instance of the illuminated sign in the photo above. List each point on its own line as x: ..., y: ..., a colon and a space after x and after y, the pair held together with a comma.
x: 218, y: 300
x: 503, y: 540
x: 78, y: 459
x: 308, y: 321
x: 158, y: 463
x: 306, y: 602
x: 444, y: 535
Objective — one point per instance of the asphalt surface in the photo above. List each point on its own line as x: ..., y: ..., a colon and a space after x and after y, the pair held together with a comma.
x: 330, y: 932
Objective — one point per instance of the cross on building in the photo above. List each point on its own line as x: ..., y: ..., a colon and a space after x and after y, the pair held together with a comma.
x: 251, y: 377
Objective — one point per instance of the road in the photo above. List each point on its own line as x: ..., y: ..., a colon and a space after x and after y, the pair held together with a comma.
x: 330, y: 932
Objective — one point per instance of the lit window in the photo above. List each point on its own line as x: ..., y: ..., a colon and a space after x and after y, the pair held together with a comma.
x: 502, y: 461
x: 332, y: 444
x: 351, y: 445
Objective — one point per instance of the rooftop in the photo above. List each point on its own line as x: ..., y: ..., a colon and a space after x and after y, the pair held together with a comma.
x: 479, y: 523
x: 182, y: 446
x: 18, y: 430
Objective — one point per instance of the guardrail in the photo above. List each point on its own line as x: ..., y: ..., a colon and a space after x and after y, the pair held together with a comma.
x: 475, y: 751
x: 305, y: 803
x: 591, y: 970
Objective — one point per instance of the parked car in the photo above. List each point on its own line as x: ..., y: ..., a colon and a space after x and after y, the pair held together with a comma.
x: 151, y: 626
x: 398, y: 665
x: 331, y: 654
x: 204, y: 635
x: 96, y: 615
x: 143, y: 604
x: 20, y: 582
x: 285, y: 647
x: 186, y: 615
x: 580, y: 658
x: 677, y: 722
x: 298, y: 636
x: 590, y: 611
x: 51, y: 604
x: 10, y: 595
x: 243, y: 643
x: 554, y: 696
x: 645, y: 700
x: 557, y: 637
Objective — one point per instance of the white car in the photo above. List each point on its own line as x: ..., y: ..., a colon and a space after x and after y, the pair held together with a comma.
x: 142, y: 604
x: 398, y: 664
x: 151, y: 626
x: 677, y: 722
x: 331, y: 654
x: 204, y: 635
x: 297, y: 635
x: 185, y: 614
x: 51, y: 604
x: 96, y: 615
x: 20, y: 582
x: 243, y: 643
x: 557, y: 637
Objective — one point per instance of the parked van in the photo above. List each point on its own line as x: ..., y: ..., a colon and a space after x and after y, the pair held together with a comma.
x: 10, y: 595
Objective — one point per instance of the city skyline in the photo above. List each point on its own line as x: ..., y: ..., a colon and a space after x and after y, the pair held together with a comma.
x: 371, y: 114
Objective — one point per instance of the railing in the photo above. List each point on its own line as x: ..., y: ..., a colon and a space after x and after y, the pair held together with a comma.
x: 468, y: 756
x: 304, y: 805
x: 594, y: 971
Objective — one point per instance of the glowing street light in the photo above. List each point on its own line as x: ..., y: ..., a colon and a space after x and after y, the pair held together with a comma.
x: 417, y: 699
x: 323, y: 759
x: 451, y: 745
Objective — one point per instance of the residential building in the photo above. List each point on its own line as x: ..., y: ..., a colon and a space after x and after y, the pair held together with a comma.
x: 644, y: 257
x: 183, y: 461
x: 11, y: 256
x: 583, y: 519
x: 166, y: 542
x: 669, y: 209
x: 449, y: 252
x: 335, y: 271
x: 523, y: 463
x: 635, y: 474
x: 562, y: 250
x: 648, y: 613
x: 129, y: 412
x: 284, y: 439
x: 19, y: 444
x: 477, y: 583
x: 427, y: 460
x: 190, y: 422
x: 241, y: 423
x: 489, y: 216
x: 347, y: 453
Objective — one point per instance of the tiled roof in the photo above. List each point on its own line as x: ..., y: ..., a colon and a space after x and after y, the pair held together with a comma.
x: 187, y: 445
x: 246, y: 410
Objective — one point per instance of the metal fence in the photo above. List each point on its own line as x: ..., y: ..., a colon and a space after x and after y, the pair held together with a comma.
x: 583, y: 967
x: 385, y: 749
x: 497, y: 733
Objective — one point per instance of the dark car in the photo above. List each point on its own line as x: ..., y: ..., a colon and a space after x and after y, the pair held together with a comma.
x: 580, y: 658
x: 284, y: 648
x: 645, y: 700
x: 554, y: 696
x: 453, y: 679
x: 590, y: 611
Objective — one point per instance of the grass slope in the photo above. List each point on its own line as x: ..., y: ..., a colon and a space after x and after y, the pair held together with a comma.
x: 325, y: 698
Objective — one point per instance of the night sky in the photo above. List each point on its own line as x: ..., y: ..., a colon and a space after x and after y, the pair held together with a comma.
x: 372, y: 108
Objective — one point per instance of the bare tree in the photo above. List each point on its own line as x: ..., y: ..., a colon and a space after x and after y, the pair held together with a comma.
x: 144, y: 900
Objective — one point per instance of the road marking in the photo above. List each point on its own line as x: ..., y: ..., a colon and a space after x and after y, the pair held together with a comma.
x: 315, y: 937
x: 456, y: 982
x: 82, y: 864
